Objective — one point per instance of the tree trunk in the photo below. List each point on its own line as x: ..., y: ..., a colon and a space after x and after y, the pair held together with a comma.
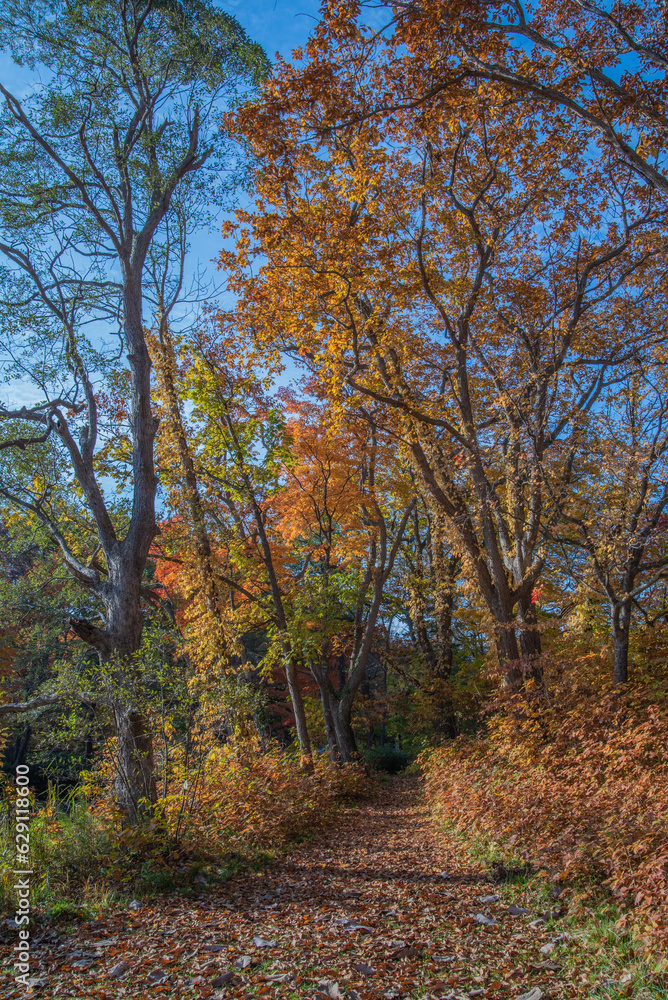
x: 22, y: 745
x: 446, y: 720
x: 337, y: 712
x: 509, y: 655
x: 621, y: 628
x: 506, y: 640
x: 328, y: 710
x: 483, y: 545
x: 444, y: 607
x: 298, y: 709
x: 166, y: 366
x: 277, y: 600
x: 530, y: 642
x: 345, y: 734
x: 136, y: 791
x: 444, y: 569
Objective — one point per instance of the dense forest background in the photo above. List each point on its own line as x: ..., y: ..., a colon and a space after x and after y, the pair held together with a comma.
x: 390, y: 488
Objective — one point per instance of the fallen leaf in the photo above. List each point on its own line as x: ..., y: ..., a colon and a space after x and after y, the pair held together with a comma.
x: 118, y: 970
x: 366, y: 970
x: 352, y: 925
x: 563, y: 938
x: 157, y: 976
x: 408, y: 951
x: 330, y: 988
x: 344, y: 946
x: 227, y: 977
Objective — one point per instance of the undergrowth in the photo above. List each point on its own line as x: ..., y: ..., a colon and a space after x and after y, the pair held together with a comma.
x: 604, y: 953
x: 239, y: 810
x: 574, y: 789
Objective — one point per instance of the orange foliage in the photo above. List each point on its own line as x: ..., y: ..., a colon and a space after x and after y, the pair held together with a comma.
x: 456, y: 264
x: 246, y: 797
x: 579, y: 788
x: 224, y: 799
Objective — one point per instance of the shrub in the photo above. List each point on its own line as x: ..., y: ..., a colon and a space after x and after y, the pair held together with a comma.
x: 387, y: 758
x: 243, y: 795
x: 68, y: 844
x: 238, y: 803
x: 66, y: 911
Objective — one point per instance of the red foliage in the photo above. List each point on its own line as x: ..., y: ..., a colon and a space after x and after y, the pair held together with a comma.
x: 579, y: 787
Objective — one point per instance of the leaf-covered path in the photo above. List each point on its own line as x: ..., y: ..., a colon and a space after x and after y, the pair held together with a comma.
x: 376, y: 909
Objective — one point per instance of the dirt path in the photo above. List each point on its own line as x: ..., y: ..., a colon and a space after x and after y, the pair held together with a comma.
x: 373, y: 910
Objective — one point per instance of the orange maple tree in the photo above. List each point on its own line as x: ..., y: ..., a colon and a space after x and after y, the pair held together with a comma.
x: 465, y: 266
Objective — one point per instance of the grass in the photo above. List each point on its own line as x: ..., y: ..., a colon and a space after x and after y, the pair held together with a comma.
x: 68, y: 845
x: 622, y: 972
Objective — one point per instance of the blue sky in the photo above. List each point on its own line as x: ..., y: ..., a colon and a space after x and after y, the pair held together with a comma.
x: 278, y: 25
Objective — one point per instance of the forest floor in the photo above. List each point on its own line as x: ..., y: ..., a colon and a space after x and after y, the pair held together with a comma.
x: 375, y: 908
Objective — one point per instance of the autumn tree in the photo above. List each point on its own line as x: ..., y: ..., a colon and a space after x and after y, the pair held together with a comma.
x: 230, y: 458
x: 345, y: 509
x: 426, y: 594
x: 469, y: 268
x: 168, y: 347
x: 611, y: 538
x: 602, y: 66
x: 301, y: 537
x: 91, y: 163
